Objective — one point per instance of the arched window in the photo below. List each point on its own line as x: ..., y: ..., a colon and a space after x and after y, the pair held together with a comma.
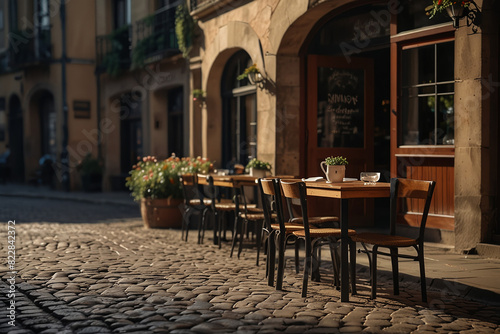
x: 239, y: 113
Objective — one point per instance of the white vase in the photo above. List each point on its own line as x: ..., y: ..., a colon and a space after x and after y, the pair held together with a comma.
x: 333, y: 173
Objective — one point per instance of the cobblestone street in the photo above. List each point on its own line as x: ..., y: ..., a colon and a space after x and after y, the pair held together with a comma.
x: 88, y: 268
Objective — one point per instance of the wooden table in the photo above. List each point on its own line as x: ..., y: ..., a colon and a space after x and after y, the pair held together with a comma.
x: 344, y: 191
x: 230, y: 181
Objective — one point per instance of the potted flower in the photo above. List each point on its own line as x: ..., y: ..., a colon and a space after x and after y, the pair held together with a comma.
x: 156, y: 185
x: 454, y: 8
x: 199, y: 95
x: 258, y: 168
x: 335, y: 168
x: 90, y: 170
x: 252, y: 73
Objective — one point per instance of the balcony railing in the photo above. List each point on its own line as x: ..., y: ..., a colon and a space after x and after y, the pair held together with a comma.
x: 29, y: 47
x: 156, y: 38
x: 113, y: 51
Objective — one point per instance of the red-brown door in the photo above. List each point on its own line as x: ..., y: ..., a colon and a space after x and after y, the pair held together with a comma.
x: 340, y: 122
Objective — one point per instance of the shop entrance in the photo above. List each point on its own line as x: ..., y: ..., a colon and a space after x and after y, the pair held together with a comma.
x: 348, y: 106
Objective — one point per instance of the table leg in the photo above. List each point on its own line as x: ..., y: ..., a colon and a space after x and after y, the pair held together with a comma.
x: 344, y: 265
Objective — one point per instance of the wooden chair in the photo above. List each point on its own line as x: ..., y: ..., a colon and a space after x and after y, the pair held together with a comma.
x: 313, y: 237
x: 247, y: 213
x: 193, y: 203
x: 218, y: 207
x: 277, y: 232
x: 400, y: 189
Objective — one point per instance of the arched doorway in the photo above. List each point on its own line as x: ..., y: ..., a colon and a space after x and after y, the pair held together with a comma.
x: 16, y: 139
x: 348, y: 97
x: 239, y: 113
x: 130, y: 130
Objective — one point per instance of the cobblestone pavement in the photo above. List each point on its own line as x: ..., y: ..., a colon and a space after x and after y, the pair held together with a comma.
x: 114, y: 276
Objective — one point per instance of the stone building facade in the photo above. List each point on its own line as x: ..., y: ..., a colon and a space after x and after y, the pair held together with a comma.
x: 375, y: 81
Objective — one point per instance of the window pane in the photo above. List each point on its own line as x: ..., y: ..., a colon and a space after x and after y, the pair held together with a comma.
x: 427, y: 95
x: 445, y: 57
x: 418, y: 65
x: 445, y: 121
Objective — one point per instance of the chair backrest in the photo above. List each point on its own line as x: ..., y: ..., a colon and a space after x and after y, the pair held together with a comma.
x: 294, y: 189
x: 411, y: 189
x: 190, y: 189
x: 271, y: 201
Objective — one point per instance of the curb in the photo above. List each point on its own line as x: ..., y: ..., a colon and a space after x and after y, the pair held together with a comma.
x: 446, y: 287
x: 70, y: 198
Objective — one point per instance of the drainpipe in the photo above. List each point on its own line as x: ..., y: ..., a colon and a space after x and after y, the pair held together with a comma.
x: 64, y: 153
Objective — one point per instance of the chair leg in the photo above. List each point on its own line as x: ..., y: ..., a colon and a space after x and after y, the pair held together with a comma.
x: 307, y: 270
x: 281, y: 260
x: 258, y: 230
x: 186, y: 218
x: 235, y: 234
x: 335, y: 263
x: 271, y: 258
x: 201, y: 228
x: 395, y: 270
x: 297, y: 247
x: 220, y: 222
x: 352, y: 248
x: 316, y: 262
x: 423, y: 283
x: 374, y: 272
x: 243, y: 227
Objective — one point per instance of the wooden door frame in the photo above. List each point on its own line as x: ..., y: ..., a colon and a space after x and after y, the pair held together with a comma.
x: 310, y: 93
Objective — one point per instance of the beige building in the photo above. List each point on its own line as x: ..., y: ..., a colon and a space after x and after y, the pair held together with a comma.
x: 143, y: 84
x: 375, y: 81
x: 46, y: 77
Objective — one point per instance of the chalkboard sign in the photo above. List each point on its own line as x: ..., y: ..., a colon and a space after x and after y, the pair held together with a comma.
x: 341, y: 107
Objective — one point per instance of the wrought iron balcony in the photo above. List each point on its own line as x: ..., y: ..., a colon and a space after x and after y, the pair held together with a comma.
x: 156, y: 38
x: 113, y: 51
x: 29, y: 47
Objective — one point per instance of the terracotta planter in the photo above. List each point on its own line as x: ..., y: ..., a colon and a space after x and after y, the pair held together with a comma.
x: 161, y: 213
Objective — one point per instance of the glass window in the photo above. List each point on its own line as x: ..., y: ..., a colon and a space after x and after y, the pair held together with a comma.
x: 175, y: 121
x: 239, y: 121
x: 428, y: 94
x: 121, y: 13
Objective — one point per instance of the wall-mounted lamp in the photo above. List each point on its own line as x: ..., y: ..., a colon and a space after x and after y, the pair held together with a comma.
x: 458, y: 11
x: 255, y: 78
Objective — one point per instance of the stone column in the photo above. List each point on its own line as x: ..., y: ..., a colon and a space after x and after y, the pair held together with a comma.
x: 476, y: 130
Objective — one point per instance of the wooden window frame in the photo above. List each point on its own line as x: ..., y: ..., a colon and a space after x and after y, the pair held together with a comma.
x: 410, y: 39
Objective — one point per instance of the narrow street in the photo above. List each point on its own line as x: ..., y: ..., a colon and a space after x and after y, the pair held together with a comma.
x: 90, y: 268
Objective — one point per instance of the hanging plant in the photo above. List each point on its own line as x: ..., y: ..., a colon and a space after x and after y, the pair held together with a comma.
x: 184, y: 29
x: 248, y: 70
x: 198, y: 95
x: 440, y: 5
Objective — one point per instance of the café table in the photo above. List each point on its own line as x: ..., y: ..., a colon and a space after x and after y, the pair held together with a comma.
x: 345, y: 191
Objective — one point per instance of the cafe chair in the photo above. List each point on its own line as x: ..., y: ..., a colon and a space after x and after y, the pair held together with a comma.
x: 194, y: 203
x: 246, y: 213
x: 278, y: 233
x: 218, y: 208
x: 313, y: 237
x: 402, y: 192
